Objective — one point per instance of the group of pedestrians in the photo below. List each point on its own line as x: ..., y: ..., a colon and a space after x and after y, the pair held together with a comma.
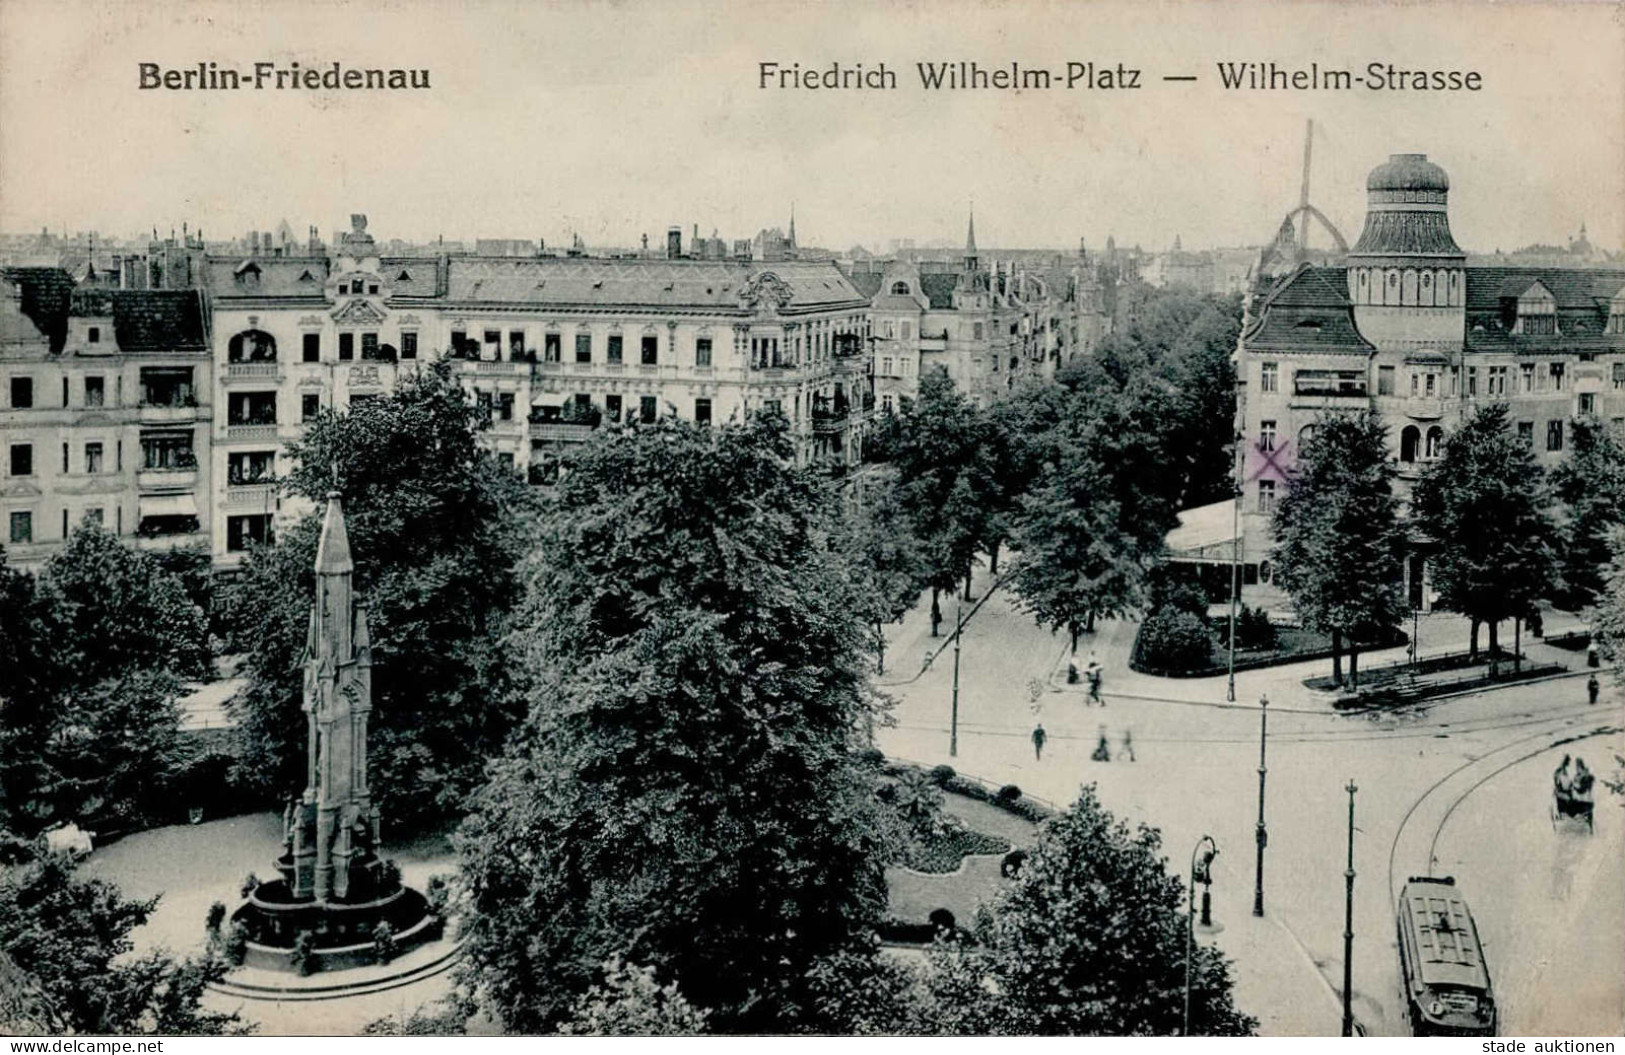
x: 1103, y: 747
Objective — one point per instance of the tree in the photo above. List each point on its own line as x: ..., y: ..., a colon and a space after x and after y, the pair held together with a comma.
x: 686, y: 792
x: 1483, y: 506
x: 114, y: 610
x: 941, y: 461
x: 1609, y: 624
x: 437, y: 528
x: 1590, y: 484
x: 1339, y: 544
x: 631, y: 1003
x: 1090, y: 940
x: 71, y: 938
x: 886, y: 560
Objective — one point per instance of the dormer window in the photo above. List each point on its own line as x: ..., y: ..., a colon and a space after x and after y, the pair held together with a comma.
x: 899, y: 289
x: 1537, y: 312
x: 1616, y: 313
x: 93, y: 335
x: 404, y: 276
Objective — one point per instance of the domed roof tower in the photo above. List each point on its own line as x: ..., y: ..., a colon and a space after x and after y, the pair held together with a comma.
x: 1406, y: 274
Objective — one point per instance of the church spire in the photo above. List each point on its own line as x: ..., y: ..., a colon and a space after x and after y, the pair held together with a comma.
x: 333, y: 553
x: 792, y: 225
x: 970, y: 241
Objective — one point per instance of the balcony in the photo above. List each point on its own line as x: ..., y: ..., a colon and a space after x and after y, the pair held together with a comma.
x: 251, y: 431
x: 166, y: 479
x: 259, y: 495
x: 161, y: 413
x: 1424, y: 408
x: 500, y: 368
x: 560, y: 432
x: 264, y: 369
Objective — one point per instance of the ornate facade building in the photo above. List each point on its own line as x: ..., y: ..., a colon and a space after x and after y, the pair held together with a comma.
x: 984, y: 327
x: 106, y: 412
x: 1406, y: 326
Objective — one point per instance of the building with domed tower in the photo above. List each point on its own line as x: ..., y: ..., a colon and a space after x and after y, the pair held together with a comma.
x: 1405, y: 325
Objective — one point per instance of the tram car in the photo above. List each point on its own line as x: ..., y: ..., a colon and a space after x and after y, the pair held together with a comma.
x: 1441, y: 962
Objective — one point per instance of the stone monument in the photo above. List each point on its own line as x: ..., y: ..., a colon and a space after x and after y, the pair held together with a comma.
x: 337, y: 903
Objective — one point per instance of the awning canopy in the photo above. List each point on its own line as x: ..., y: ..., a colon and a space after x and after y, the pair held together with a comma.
x: 1207, y: 535
x: 168, y: 506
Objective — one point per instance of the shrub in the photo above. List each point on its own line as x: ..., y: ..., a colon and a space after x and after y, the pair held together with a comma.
x: 1254, y: 631
x: 1174, y: 640
x: 236, y: 944
x: 871, y: 756
x: 217, y: 916
x: 383, y: 943
x: 251, y: 883
x: 1007, y: 795
x: 942, y: 922
x: 389, y: 877
x: 304, y: 954
x: 438, y: 894
x: 940, y: 775
x: 918, y: 802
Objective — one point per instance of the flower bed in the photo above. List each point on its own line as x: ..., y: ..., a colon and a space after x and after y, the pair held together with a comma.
x: 942, y: 852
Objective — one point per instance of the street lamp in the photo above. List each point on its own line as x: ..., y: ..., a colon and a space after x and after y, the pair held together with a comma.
x: 1202, y: 855
x: 1348, y: 923
x: 1262, y: 834
x: 953, y: 727
x: 1235, y: 567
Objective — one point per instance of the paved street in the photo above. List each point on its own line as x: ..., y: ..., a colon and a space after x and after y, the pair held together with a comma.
x: 1466, y: 780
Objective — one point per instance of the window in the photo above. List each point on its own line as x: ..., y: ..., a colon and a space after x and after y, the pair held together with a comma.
x: 22, y: 392
x: 978, y: 331
x: 552, y: 347
x: 346, y: 347
x: 22, y: 459
x: 1269, y: 377
x: 1266, y: 496
x: 97, y: 516
x: 64, y: 457
x: 167, y: 450
x: 251, y: 467
x: 1554, y: 435
x: 1409, y: 437
x: 702, y: 411
x: 372, y: 288
x: 310, y: 404
x: 1526, y: 432
x: 459, y: 343
x: 1619, y: 376
x: 1588, y: 403
x: 506, y: 458
x: 95, y: 391
x: 1556, y: 372
x: 243, y: 532
x: 1266, y: 435
x: 369, y: 346
x: 1435, y: 441
x: 251, y: 408
x: 899, y: 289
x: 94, y: 335
x: 1385, y: 380
x: 612, y: 408
x: 1430, y: 382
x: 252, y: 346
x: 1472, y: 381
x: 887, y: 330
x: 885, y: 366
x: 908, y: 329
x: 93, y: 458
x: 493, y: 343
x: 1527, y: 370
x: 614, y: 348
x: 505, y: 406
x: 22, y: 527
x: 1498, y: 381
x: 702, y: 352
x: 1416, y: 384
x: 312, y: 350
x: 409, y: 345
x: 651, y: 350
x: 885, y: 404
x: 646, y: 408
x: 1538, y: 325
x: 583, y: 347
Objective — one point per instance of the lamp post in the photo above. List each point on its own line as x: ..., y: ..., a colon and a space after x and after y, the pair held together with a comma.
x: 953, y: 726
x: 1262, y: 834
x: 1235, y: 569
x: 1348, y: 922
x: 1202, y: 855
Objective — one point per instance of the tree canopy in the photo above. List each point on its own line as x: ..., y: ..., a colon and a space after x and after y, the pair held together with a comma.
x: 685, y: 793
x: 437, y: 527
x: 1483, y: 506
x: 1590, y: 484
x: 1339, y: 544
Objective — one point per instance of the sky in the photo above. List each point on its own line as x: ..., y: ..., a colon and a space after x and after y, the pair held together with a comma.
x: 620, y: 119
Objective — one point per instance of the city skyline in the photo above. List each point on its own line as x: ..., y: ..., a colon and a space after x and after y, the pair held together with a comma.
x: 615, y: 122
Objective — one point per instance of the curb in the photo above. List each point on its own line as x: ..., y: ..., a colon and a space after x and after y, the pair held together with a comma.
x: 341, y: 991
x: 931, y: 657
x: 1314, y: 968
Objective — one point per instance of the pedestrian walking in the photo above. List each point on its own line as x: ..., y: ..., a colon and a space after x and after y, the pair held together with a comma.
x: 1103, y: 751
x: 1592, y: 688
x: 1039, y: 736
x: 1128, y: 744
